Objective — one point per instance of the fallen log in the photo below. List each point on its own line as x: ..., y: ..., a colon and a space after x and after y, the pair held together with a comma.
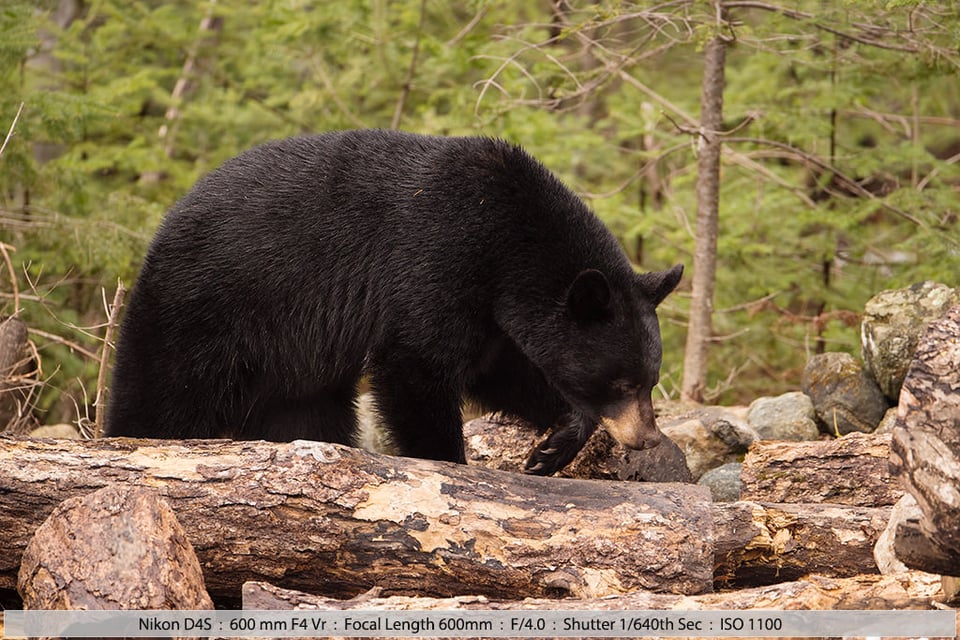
x: 117, y: 548
x: 338, y: 521
x: 900, y: 591
x: 759, y: 544
x: 925, y: 451
x: 852, y: 470
x: 503, y: 442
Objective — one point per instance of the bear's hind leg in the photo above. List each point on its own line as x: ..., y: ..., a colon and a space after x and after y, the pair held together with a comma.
x: 323, y: 417
x: 419, y: 407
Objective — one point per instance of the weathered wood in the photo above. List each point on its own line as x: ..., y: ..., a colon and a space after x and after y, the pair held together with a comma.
x: 901, y: 591
x: 852, y: 470
x: 117, y: 548
x: 503, y: 442
x: 16, y: 379
x: 925, y: 451
x: 760, y: 544
x: 339, y: 521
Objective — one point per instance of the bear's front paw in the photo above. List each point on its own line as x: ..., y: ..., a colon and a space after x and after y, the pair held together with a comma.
x: 547, y: 460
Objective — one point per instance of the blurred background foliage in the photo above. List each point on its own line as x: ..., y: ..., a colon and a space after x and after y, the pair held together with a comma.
x: 840, y: 175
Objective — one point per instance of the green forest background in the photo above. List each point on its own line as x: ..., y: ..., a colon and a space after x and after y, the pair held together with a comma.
x: 840, y: 172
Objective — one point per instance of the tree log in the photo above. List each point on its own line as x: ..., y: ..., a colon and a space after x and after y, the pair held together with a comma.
x: 338, y: 521
x: 117, y: 548
x: 759, y: 544
x: 17, y: 378
x: 901, y: 591
x: 852, y: 470
x: 925, y: 451
x: 503, y: 442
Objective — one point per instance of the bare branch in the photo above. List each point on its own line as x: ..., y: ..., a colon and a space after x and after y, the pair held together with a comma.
x: 4, y: 250
x: 100, y: 402
x: 411, y: 70
x: 10, y: 131
x: 67, y: 343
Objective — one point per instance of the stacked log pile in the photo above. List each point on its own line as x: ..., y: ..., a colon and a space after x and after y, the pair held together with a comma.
x: 307, y: 524
x: 336, y: 522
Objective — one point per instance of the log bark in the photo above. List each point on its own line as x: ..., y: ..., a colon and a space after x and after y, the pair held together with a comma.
x: 901, y: 591
x: 758, y: 544
x: 852, y: 470
x: 17, y: 378
x: 925, y: 450
x: 503, y: 442
x: 117, y: 548
x: 339, y: 521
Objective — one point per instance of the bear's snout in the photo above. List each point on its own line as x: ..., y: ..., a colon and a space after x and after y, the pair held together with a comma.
x: 632, y: 424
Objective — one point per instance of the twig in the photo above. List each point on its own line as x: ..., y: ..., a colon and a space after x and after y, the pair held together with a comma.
x: 457, y: 39
x: 100, y: 402
x: 67, y: 343
x: 172, y: 116
x: 408, y: 82
x: 4, y: 249
x: 10, y: 131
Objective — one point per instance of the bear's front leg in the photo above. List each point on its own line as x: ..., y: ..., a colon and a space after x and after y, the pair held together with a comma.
x: 562, y: 446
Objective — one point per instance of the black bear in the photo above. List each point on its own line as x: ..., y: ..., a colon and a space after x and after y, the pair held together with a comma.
x: 438, y: 267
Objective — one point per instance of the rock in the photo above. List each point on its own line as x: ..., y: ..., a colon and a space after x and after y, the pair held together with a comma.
x: 925, y: 450
x: 709, y: 437
x: 117, y: 548
x: 724, y: 482
x: 845, y: 398
x: 893, y: 322
x: 888, y: 422
x: 786, y: 417
x: 64, y: 430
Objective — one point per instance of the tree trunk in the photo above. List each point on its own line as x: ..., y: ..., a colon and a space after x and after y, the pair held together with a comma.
x: 340, y: 521
x: 852, y: 470
x: 17, y: 379
x: 699, y: 329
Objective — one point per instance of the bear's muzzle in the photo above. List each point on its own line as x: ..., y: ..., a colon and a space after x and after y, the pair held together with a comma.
x: 632, y: 423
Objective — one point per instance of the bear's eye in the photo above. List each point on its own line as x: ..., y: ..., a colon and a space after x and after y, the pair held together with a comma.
x: 624, y: 387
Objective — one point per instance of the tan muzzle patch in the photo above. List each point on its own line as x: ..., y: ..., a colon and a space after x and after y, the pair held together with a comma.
x: 632, y: 424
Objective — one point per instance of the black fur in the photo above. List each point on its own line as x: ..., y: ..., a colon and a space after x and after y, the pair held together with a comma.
x: 439, y: 266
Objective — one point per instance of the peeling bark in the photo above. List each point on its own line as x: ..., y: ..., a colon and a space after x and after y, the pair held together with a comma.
x: 925, y: 450
x: 760, y: 544
x: 852, y: 470
x: 338, y: 521
x: 901, y: 591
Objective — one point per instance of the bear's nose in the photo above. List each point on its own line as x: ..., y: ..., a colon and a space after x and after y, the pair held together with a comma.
x: 632, y: 423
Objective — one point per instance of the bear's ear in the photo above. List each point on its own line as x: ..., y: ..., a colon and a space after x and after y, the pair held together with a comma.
x: 658, y: 284
x: 589, y: 296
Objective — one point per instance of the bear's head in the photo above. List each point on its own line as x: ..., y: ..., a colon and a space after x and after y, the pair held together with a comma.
x: 613, y: 352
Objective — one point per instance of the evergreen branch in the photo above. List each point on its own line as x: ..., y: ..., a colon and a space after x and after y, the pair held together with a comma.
x: 825, y: 166
x: 803, y: 15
